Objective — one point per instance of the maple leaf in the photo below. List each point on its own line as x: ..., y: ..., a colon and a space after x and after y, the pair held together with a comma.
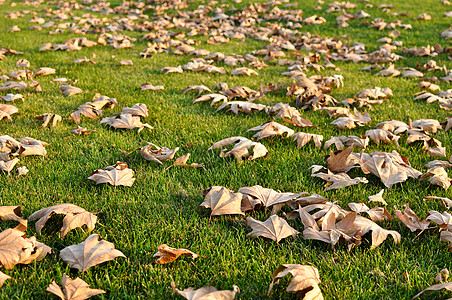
x: 342, y: 141
x: 44, y: 71
x: 444, y: 220
x: 29, y: 146
x: 3, y: 278
x: 200, y: 88
x: 12, y: 97
x: 410, y: 219
x: 244, y: 71
x: 378, y: 197
x: 75, y: 217
x: 147, y: 86
x: 76, y: 289
x: 244, y: 106
x: 215, y: 98
x: 435, y: 287
x: 8, y: 165
x: 305, y: 280
x: 381, y: 135
x: 47, y: 117
x: 82, y: 131
x: 340, y: 180
x: 69, y: 90
x: 342, y: 160
x: 118, y: 174
x: 223, y: 202
x: 242, y: 148
x: 166, y: 254
x: 274, y: 228
x: 16, y: 249
x: 138, y: 109
x: 89, y: 253
x: 266, y: 197
x: 154, y: 153
x: 207, y: 292
x: 270, y: 129
x: 437, y: 176
x: 126, y: 121
x: 391, y: 168
x: 13, y: 213
x: 304, y: 138
x: 182, y: 162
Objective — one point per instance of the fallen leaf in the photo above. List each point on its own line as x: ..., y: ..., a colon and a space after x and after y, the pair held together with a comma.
x: 270, y: 129
x: 167, y: 254
x: 223, y: 202
x: 82, y: 131
x: 182, y: 162
x: 126, y: 121
x: 207, y: 292
x: 305, y: 280
x: 75, y: 217
x: 76, y: 289
x: 13, y: 213
x: 378, y: 197
x: 89, y: 253
x: 154, y: 153
x: 242, y: 148
x: 47, y: 117
x: 3, y: 278
x: 118, y: 174
x: 274, y: 228
x: 69, y: 90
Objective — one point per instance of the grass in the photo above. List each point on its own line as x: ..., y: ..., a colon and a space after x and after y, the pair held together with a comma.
x: 162, y: 205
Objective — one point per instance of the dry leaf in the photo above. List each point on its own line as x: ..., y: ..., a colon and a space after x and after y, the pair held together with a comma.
x: 410, y: 219
x: 381, y: 135
x: 340, y: 180
x: 12, y: 97
x: 147, y: 86
x: 154, y: 153
x: 89, y: 253
x: 13, y: 213
x: 207, y: 292
x: 270, y: 129
x: 15, y: 249
x: 305, y: 281
x: 75, y: 217
x: 115, y: 175
x: 223, y: 202
x: 378, y: 197
x: 30, y: 146
x: 266, y: 197
x: 47, y: 117
x: 44, y: 71
x: 244, y: 71
x: 138, y: 109
x: 126, y: 121
x: 166, y: 254
x: 274, y: 228
x: 215, y: 98
x: 76, y: 289
x: 69, y: 90
x: 242, y: 148
x: 22, y: 171
x: 436, y: 287
x: 82, y: 131
x: 3, y: 278
x: 304, y: 138
x: 342, y: 160
x: 182, y: 162
x: 8, y: 165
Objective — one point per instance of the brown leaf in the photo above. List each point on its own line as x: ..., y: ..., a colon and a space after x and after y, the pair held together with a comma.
x: 15, y: 249
x: 167, y: 254
x: 435, y: 287
x: 270, y: 129
x: 243, y: 148
x: 76, y: 289
x: 274, y: 228
x: 154, y: 153
x: 305, y: 280
x: 47, y: 117
x: 304, y: 138
x: 75, y: 217
x: 69, y: 90
x: 341, y: 160
x: 89, y: 253
x: 3, y: 278
x: 182, y: 162
x: 207, y: 292
x: 13, y: 213
x: 410, y: 219
x: 126, y: 121
x: 82, y: 131
x: 266, y: 197
x: 378, y: 197
x: 115, y: 175
x: 223, y: 202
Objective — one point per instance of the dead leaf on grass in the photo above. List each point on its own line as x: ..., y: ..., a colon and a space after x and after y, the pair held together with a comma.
x: 166, y: 254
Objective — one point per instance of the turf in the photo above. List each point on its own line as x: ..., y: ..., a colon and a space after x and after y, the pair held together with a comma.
x: 162, y: 205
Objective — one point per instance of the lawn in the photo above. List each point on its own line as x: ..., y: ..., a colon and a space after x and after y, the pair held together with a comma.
x: 162, y: 206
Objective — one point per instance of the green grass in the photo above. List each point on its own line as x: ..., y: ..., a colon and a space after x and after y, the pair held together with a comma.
x: 155, y: 211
